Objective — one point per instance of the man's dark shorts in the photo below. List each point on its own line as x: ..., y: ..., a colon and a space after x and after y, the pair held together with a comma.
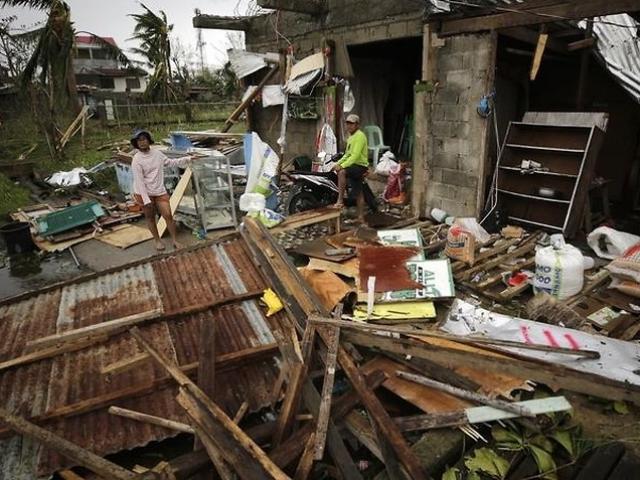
x: 355, y: 175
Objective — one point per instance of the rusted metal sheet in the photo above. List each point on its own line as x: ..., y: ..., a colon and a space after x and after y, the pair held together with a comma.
x: 115, y: 295
x: 389, y: 266
x: 171, y: 282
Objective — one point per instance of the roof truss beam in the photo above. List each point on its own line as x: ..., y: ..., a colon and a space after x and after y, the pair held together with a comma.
x: 573, y: 10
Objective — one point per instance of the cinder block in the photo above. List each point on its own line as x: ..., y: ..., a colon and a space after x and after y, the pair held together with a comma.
x: 456, y: 146
x: 447, y: 96
x: 451, y: 62
x: 458, y: 178
x: 444, y: 160
x: 397, y: 29
x: 470, y: 163
x: 442, y: 129
x: 460, y: 79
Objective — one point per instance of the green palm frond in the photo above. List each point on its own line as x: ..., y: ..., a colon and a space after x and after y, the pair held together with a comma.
x: 39, y: 4
x: 152, y: 33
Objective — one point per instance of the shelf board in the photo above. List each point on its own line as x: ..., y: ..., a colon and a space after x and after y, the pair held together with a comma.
x: 537, y: 172
x: 546, y: 149
x: 531, y: 222
x: 534, y: 197
x: 550, y: 125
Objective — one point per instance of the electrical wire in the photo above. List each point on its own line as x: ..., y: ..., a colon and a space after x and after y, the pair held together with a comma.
x: 493, y: 190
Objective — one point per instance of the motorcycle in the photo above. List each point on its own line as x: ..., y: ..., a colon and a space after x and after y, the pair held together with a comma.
x: 313, y: 190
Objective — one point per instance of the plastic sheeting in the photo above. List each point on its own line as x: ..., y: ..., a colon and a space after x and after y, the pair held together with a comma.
x: 618, y: 48
x: 245, y: 63
x: 618, y: 359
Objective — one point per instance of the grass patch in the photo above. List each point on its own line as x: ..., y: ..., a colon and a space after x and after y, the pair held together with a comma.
x: 17, y: 135
x: 12, y: 196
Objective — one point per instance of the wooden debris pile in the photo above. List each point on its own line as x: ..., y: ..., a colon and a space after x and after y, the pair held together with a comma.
x: 332, y: 402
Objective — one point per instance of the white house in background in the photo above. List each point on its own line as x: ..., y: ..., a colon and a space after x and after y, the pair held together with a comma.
x: 96, y: 67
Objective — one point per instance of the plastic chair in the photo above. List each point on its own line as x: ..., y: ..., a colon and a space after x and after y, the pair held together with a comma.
x: 375, y: 142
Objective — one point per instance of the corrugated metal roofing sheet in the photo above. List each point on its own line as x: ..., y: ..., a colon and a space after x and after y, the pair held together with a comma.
x: 619, y: 49
x: 171, y: 282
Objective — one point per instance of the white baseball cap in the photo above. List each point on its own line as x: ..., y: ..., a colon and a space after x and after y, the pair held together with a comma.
x: 353, y: 118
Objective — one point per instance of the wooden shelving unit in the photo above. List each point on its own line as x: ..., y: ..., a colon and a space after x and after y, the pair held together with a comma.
x: 567, y: 156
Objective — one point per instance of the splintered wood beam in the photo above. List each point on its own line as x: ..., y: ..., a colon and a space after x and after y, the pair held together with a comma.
x: 217, y: 22
x: 333, y: 334
x: 298, y: 372
x: 530, y: 36
x: 125, y: 364
x: 309, y: 7
x: 537, y: 56
x: 581, y: 44
x: 246, y: 102
x: 570, y: 10
x: 203, y: 434
x: 553, y: 375
x: 379, y: 415
x: 466, y: 394
x: 151, y: 419
x: 238, y: 449
x: 68, y: 449
x: 290, y: 285
x: 306, y: 461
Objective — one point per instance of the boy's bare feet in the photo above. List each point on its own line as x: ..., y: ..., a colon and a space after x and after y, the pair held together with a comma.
x: 177, y: 245
x: 159, y: 245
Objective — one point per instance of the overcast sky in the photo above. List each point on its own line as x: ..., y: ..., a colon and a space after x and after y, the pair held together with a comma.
x: 110, y: 19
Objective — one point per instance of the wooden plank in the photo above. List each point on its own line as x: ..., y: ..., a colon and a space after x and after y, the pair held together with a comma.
x: 581, y: 44
x: 454, y: 338
x: 543, y: 14
x: 103, y: 328
x: 569, y: 119
x: 176, y: 197
x: 526, y: 246
x: 69, y: 475
x: 553, y: 375
x: 152, y: 419
x: 363, y: 431
x: 126, y: 237
x: 306, y: 461
x: 207, y: 356
x: 467, y: 394
x: 531, y: 36
x: 237, y: 418
x: 379, y: 415
x: 349, y: 268
x: 125, y: 364
x: 298, y: 372
x: 50, y: 352
x: 225, y: 361
x: 310, y: 217
x: 537, y: 56
x: 247, y: 456
x: 213, y: 450
x: 70, y: 450
x: 333, y: 335
x: 111, y: 327
x: 247, y: 101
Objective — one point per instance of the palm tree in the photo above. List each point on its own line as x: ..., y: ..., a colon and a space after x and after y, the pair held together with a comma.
x: 48, y: 75
x: 152, y: 31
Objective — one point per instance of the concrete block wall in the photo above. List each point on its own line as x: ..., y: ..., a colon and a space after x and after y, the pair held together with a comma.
x: 458, y: 134
x: 350, y: 21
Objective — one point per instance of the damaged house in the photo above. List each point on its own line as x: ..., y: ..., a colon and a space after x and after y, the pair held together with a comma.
x: 444, y: 80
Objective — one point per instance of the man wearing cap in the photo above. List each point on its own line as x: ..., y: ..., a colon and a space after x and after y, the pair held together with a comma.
x: 353, y: 165
x: 148, y: 184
